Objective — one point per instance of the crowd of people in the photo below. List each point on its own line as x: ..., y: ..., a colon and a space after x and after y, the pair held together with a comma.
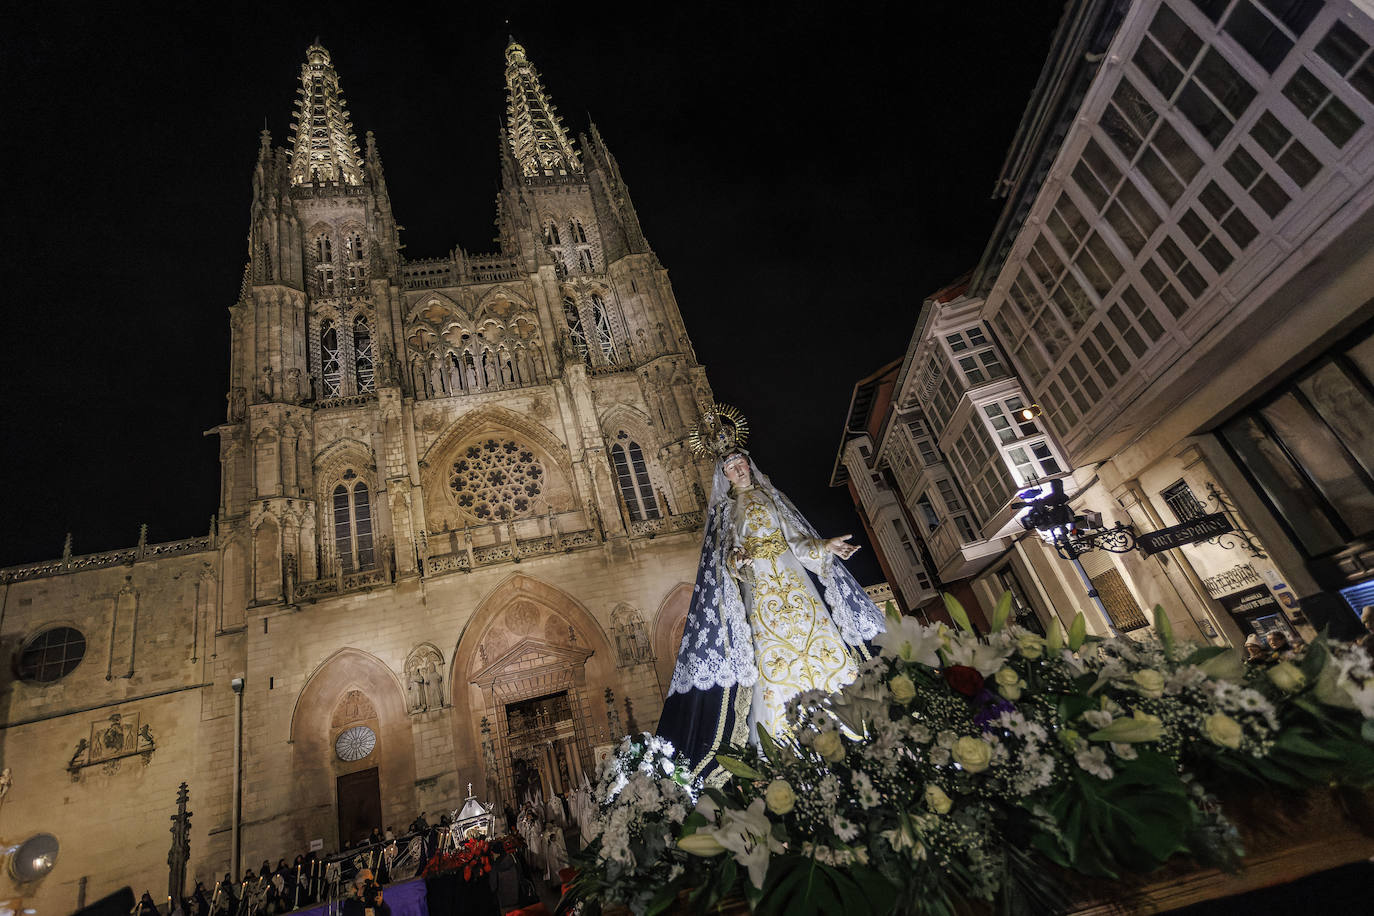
x: 384, y: 857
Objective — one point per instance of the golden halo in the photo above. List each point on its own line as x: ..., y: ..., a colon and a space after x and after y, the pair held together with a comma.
x: 721, y: 430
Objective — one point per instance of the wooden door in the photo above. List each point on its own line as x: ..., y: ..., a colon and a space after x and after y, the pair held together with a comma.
x: 360, y: 805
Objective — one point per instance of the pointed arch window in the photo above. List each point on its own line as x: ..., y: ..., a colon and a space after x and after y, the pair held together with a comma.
x: 574, y: 319
x: 363, y: 362
x: 584, y: 260
x: 633, y: 476
x: 578, y: 234
x: 551, y: 235
x: 330, y: 362
x: 604, y: 340
x: 324, y: 264
x: 353, y: 524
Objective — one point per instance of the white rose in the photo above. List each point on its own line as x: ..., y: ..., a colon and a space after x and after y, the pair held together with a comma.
x: 1149, y: 682
x: 830, y: 746
x: 1030, y: 646
x: 937, y: 800
x: 1287, y: 676
x: 779, y: 796
x: 973, y: 754
x: 903, y: 690
x: 1223, y: 730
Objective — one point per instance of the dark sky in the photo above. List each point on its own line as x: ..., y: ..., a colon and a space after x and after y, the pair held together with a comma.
x: 806, y: 172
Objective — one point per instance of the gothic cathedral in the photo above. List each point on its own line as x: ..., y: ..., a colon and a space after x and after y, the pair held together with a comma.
x: 457, y: 528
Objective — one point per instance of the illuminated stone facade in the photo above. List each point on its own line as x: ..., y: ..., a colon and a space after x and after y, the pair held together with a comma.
x: 399, y: 435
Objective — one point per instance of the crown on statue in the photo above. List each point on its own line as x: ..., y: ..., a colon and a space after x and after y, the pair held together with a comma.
x: 721, y: 430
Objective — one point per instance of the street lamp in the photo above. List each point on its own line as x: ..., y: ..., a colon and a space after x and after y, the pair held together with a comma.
x: 1074, y: 534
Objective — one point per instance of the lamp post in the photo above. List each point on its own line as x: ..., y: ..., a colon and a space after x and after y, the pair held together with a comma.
x: 1074, y: 534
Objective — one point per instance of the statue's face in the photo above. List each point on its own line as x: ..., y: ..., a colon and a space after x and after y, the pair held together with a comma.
x: 737, y: 472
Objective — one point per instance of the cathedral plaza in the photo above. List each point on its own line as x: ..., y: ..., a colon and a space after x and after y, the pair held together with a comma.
x: 466, y: 504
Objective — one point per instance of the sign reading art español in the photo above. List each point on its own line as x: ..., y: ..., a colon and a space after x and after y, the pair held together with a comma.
x: 1190, y: 532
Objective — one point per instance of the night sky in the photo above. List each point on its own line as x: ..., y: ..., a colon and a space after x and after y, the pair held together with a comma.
x: 806, y: 172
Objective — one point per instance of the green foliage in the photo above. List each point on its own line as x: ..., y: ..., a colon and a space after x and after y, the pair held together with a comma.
x: 738, y: 767
x: 957, y: 612
x: 1078, y: 632
x: 1133, y: 822
x: 1001, y: 612
x: 801, y: 886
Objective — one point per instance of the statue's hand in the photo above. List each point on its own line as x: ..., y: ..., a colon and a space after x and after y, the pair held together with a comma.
x: 840, y: 548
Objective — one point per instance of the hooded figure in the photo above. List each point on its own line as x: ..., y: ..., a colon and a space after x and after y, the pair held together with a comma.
x: 773, y: 611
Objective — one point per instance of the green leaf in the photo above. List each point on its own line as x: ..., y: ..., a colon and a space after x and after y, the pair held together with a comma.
x: 957, y: 612
x: 770, y: 750
x: 890, y: 611
x: 1205, y: 653
x: 1078, y: 631
x: 1001, y: 612
x: 1164, y: 629
x: 738, y: 767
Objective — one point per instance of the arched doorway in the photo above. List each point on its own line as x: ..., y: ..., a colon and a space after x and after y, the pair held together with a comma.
x: 534, y: 668
x: 353, y: 755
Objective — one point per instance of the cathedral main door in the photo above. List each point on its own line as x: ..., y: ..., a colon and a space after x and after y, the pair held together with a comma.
x: 544, y: 752
x: 360, y: 805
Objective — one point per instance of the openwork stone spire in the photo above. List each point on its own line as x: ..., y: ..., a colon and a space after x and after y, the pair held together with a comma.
x: 536, y: 135
x: 324, y: 146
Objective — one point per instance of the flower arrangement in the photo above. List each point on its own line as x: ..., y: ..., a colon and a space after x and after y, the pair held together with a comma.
x: 473, y: 858
x: 955, y: 766
x: 644, y: 795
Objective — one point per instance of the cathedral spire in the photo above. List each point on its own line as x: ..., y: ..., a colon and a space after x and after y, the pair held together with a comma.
x: 536, y: 135
x: 324, y: 145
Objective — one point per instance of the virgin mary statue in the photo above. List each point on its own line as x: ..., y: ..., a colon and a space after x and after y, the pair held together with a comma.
x: 774, y: 612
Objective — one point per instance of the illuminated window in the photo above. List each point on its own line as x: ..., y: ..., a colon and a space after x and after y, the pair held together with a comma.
x: 633, y: 477
x: 363, y: 366
x: 574, y: 319
x: 604, y: 339
x: 353, y: 524
x: 331, y: 374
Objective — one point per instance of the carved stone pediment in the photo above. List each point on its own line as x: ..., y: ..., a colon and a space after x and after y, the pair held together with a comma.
x: 530, y: 657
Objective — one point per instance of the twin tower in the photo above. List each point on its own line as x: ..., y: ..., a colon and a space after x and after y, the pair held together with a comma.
x: 390, y: 418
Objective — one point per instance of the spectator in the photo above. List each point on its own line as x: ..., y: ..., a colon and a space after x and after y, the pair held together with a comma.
x: 1279, y: 649
x: 365, y: 898
x: 1366, y: 639
x: 1254, y: 650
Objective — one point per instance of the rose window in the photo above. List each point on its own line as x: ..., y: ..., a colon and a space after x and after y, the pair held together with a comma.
x: 497, y: 479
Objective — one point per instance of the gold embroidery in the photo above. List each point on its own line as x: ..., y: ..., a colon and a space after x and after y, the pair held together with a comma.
x: 765, y: 548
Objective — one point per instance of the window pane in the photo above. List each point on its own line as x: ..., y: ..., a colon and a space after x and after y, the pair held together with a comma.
x: 1257, y: 33
x: 1341, y: 48
x: 1158, y: 69
x: 1346, y: 408
x: 1316, y: 449
x: 1241, y: 230
x: 1140, y: 209
x: 1175, y: 35
x: 1176, y: 150
x: 1270, y: 134
x: 1305, y: 91
x: 1292, y: 497
x: 343, y: 529
x: 1338, y: 122
x: 1299, y: 163
x: 1270, y: 196
x: 1159, y: 176
x: 362, y: 517
x: 1228, y: 86
x: 1204, y: 114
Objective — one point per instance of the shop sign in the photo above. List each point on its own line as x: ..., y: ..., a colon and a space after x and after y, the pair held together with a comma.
x: 1190, y: 532
x: 1250, y: 601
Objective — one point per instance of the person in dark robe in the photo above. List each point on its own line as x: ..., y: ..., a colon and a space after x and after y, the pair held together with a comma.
x: 200, y: 903
x: 146, y: 906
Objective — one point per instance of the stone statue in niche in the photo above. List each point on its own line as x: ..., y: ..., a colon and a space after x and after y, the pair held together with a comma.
x: 424, y: 679
x: 631, y: 638
x: 268, y: 386
x: 238, y: 404
x: 293, y: 386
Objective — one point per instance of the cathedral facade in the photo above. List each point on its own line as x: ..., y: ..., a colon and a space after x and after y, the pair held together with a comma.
x: 458, y: 524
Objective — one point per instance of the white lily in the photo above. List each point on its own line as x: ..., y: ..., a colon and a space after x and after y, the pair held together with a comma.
x: 981, y: 656
x: 749, y: 836
x: 911, y: 641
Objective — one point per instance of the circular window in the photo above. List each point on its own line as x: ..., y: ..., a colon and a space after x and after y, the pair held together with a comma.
x: 355, y: 743
x: 51, y: 655
x: 498, y: 480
